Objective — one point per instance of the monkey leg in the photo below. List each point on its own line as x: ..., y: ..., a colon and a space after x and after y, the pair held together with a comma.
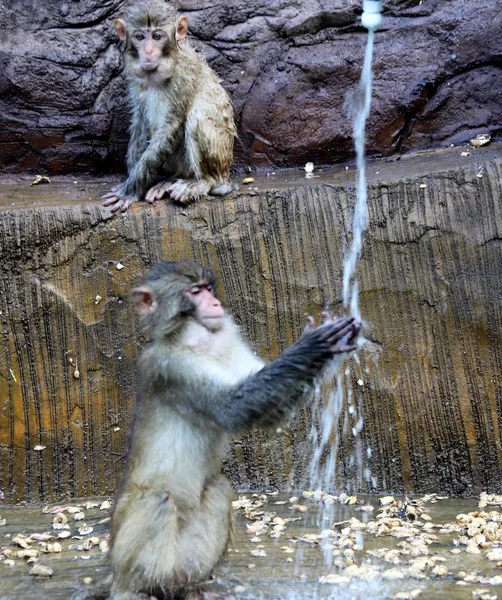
x: 209, y: 141
x: 158, y: 546
x: 203, y: 541
x: 145, y: 543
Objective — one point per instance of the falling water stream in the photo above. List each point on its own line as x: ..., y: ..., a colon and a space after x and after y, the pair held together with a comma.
x: 341, y: 414
x: 360, y: 222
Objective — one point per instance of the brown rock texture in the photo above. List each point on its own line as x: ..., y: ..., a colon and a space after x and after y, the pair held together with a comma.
x: 291, y: 67
x: 430, y: 287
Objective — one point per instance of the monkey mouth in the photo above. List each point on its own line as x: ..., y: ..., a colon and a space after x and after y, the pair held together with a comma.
x: 213, y: 323
x: 150, y: 66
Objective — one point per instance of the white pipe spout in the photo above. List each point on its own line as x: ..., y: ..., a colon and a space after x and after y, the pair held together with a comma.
x: 372, y: 14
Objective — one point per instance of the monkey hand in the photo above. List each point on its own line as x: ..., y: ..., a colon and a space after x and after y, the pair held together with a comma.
x: 340, y: 332
x: 118, y: 199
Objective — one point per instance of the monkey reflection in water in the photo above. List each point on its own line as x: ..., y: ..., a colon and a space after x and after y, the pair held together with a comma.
x: 182, y: 129
x: 199, y: 383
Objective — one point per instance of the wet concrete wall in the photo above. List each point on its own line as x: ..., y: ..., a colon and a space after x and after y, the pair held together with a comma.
x: 430, y: 290
x: 289, y: 65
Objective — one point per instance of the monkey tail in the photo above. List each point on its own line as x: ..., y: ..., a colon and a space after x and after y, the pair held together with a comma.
x: 222, y: 189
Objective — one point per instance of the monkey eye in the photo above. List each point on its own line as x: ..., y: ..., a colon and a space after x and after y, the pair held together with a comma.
x: 139, y: 36
x: 195, y: 289
x: 157, y: 35
x: 209, y: 288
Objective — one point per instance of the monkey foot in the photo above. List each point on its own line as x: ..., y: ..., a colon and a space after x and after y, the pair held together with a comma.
x: 185, y: 191
x: 156, y: 192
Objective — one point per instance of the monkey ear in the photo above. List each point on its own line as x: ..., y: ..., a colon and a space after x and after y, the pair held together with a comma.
x: 120, y: 28
x: 181, y: 29
x: 144, y: 300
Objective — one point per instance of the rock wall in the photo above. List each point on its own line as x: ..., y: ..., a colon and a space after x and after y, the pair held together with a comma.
x: 430, y: 288
x: 289, y: 65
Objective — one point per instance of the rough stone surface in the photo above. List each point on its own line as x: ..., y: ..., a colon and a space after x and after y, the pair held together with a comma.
x: 430, y: 288
x: 289, y: 65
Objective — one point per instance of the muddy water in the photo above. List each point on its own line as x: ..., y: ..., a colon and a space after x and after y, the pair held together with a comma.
x: 257, y: 566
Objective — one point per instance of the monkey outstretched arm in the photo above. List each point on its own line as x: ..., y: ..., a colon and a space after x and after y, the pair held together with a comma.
x: 267, y: 396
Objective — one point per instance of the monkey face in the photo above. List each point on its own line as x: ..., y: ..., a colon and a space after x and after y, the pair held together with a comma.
x: 149, y: 47
x: 175, y: 295
x: 151, y: 40
x: 209, y: 311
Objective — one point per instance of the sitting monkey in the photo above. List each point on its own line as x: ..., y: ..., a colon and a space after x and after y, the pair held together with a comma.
x: 182, y: 128
x: 199, y: 382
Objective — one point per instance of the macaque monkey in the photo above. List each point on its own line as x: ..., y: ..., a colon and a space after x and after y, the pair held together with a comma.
x: 182, y: 129
x: 199, y: 383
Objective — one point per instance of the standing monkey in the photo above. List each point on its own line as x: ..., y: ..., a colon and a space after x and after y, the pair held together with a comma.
x: 199, y: 382
x: 182, y: 128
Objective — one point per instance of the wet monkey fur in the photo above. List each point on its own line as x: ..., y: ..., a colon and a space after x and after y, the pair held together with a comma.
x: 199, y: 383
x: 182, y: 129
